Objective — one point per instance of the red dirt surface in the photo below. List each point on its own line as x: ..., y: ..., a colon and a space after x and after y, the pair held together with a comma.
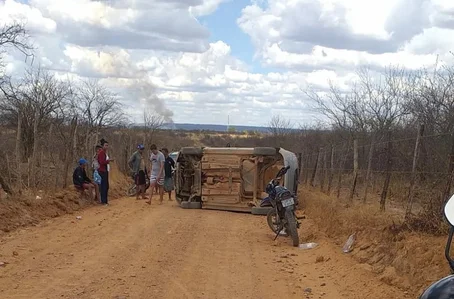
x: 133, y: 250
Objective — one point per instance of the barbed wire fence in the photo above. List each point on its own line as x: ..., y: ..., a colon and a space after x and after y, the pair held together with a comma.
x: 407, y: 172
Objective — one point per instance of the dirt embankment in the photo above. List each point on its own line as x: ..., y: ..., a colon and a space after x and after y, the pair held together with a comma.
x: 408, y: 260
x: 31, y: 207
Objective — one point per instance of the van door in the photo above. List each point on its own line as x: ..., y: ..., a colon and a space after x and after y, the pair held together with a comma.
x: 221, y: 179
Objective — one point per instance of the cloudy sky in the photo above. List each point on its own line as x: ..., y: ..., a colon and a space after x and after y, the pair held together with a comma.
x: 250, y: 59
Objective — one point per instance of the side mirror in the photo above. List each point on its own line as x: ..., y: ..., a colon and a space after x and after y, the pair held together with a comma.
x: 449, y: 214
x: 449, y: 211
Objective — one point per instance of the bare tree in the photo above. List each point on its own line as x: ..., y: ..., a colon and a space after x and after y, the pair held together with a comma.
x: 433, y: 99
x: 281, y: 130
x: 375, y: 102
x: 385, y: 98
x: 345, y: 110
x: 152, y: 123
x: 14, y: 36
x: 37, y: 98
x: 99, y: 108
x: 279, y: 126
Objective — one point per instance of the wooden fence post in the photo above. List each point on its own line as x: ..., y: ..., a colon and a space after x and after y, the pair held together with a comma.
x: 411, y: 189
x: 389, y: 162
x: 341, y: 167
x: 6, y: 182
x: 300, y: 166
x: 70, y: 150
x: 314, y: 172
x: 355, y: 157
x: 369, y: 168
x: 331, y: 170
x: 18, y: 152
x: 34, y: 157
x: 306, y: 175
x: 323, y: 172
x: 355, y: 168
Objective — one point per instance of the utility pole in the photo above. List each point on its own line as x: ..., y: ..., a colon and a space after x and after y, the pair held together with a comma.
x: 228, y: 122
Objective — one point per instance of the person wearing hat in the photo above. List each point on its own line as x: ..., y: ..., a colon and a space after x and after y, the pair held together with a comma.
x: 80, y: 179
x: 139, y: 170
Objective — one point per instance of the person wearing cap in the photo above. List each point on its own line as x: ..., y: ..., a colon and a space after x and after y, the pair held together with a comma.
x: 139, y: 170
x: 80, y: 179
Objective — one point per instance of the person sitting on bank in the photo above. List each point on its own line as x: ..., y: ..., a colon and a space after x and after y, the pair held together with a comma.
x: 81, y: 181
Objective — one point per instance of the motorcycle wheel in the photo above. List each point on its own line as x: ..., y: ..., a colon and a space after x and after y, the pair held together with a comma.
x: 292, y: 227
x: 132, y: 190
x: 272, y: 220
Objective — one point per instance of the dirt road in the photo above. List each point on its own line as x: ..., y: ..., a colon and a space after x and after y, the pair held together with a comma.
x: 133, y: 250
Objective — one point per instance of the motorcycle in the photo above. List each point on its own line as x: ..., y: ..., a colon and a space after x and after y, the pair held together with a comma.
x: 281, y: 218
x: 444, y: 288
x: 132, y: 190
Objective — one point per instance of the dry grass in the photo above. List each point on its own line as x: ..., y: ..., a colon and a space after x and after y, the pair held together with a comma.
x: 409, y: 260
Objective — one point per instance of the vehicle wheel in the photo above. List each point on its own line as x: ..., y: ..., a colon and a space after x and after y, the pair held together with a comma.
x: 196, y: 151
x: 260, y: 210
x: 191, y: 205
x: 264, y: 151
x: 273, y: 222
x: 195, y: 205
x: 132, y: 190
x: 291, y: 227
x: 178, y: 199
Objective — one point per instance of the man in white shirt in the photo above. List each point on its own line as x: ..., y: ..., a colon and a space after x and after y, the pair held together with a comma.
x: 157, y: 160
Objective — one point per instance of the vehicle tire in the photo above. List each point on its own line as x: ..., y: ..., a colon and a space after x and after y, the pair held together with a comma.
x: 191, y: 205
x: 178, y: 199
x: 132, y: 190
x: 264, y: 151
x: 291, y: 227
x: 260, y: 210
x: 185, y: 204
x: 271, y: 223
x: 195, y: 205
x: 193, y: 151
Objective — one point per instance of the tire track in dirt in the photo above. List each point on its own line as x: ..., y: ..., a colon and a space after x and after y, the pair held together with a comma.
x: 132, y: 250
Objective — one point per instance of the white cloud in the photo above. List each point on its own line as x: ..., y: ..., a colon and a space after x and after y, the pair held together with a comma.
x: 143, y: 48
x: 206, y: 8
x: 12, y: 11
x: 310, y: 34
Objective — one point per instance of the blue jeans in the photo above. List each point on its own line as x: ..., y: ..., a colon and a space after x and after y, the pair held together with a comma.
x: 104, y: 190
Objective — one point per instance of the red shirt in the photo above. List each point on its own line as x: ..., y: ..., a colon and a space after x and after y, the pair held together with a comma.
x: 102, y: 160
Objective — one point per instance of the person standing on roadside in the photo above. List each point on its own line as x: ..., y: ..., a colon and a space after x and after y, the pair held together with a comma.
x: 96, y: 176
x: 103, y: 160
x: 169, y: 164
x: 157, y: 160
x: 137, y: 165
